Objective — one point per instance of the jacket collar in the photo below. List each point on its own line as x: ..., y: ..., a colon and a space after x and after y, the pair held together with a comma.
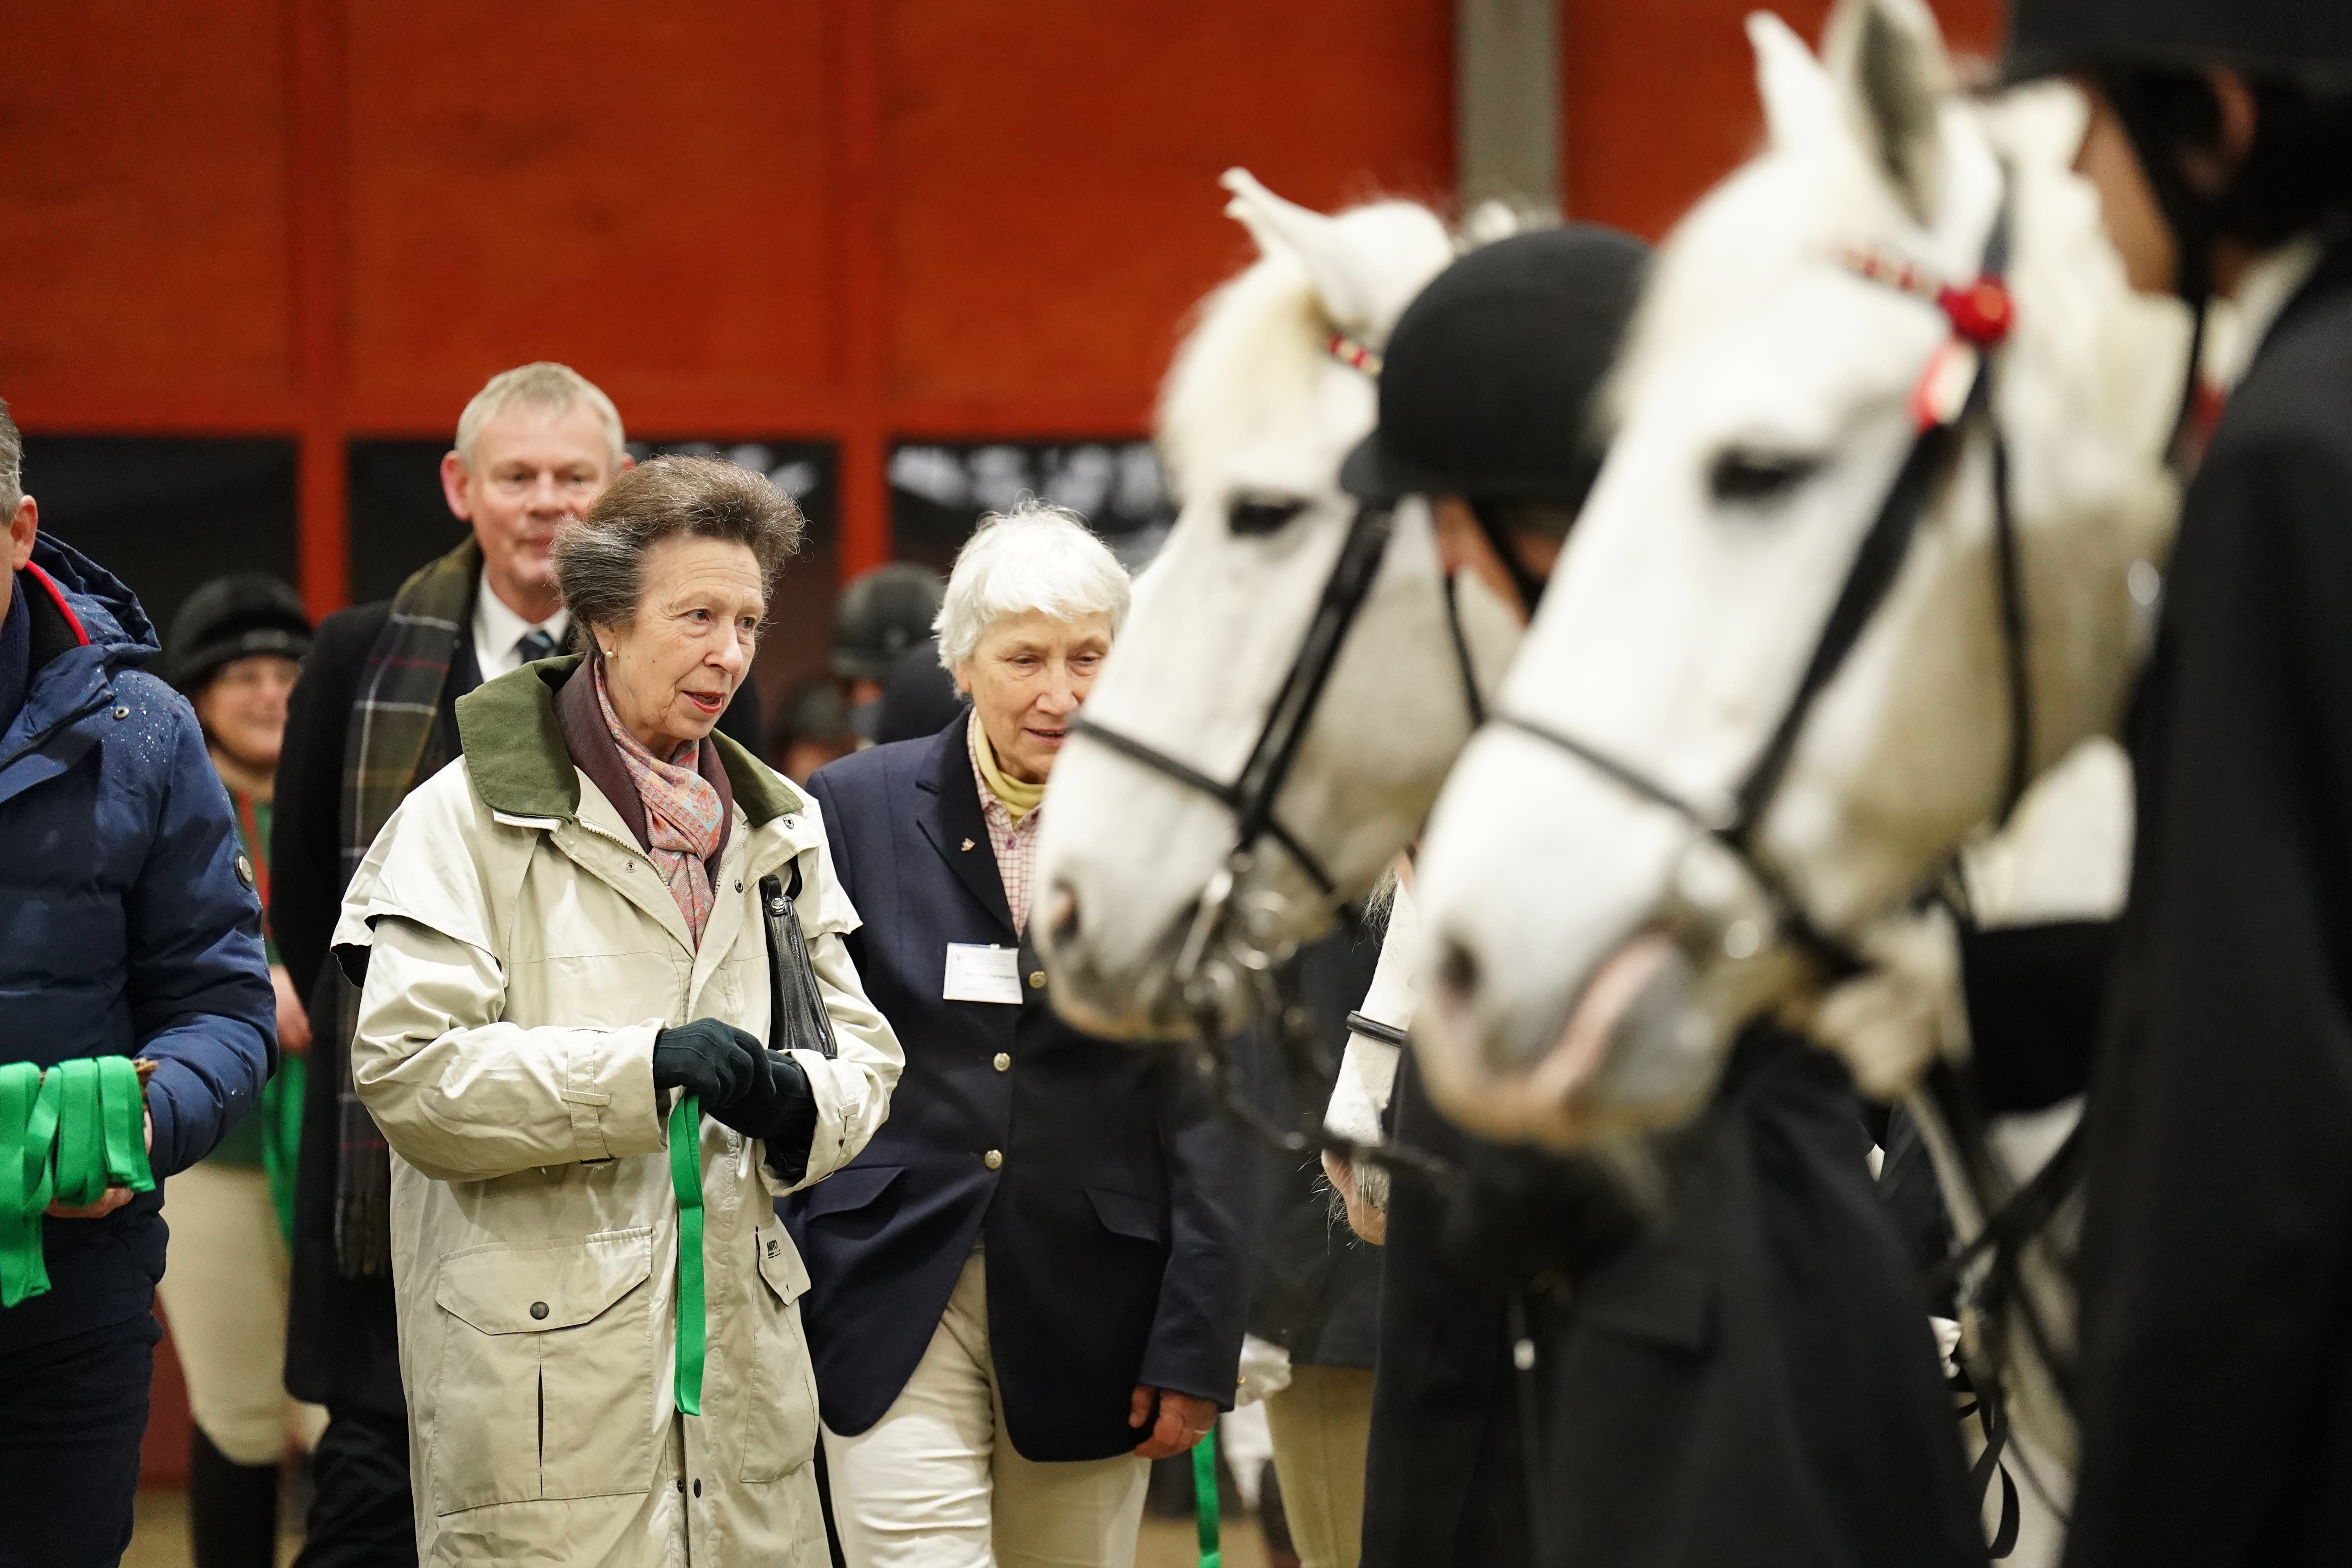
x: 517, y: 757
x: 949, y: 816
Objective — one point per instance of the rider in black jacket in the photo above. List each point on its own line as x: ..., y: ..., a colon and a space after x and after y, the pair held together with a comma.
x: 2217, y: 1269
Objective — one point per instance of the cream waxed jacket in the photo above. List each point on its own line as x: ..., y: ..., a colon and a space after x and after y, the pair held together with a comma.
x: 521, y: 955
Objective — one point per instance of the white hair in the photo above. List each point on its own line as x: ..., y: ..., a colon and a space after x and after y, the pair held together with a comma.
x: 1033, y: 557
x: 544, y: 386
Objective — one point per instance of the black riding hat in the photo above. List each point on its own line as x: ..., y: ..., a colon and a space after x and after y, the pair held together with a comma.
x: 1490, y: 372
x: 234, y: 617
x: 2307, y: 39
x: 880, y: 616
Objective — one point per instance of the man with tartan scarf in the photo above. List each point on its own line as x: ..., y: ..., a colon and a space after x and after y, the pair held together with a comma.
x: 373, y: 717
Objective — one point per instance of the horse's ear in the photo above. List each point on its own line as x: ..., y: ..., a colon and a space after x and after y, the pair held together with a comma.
x: 1347, y: 287
x: 1800, y: 103
x: 1888, y: 60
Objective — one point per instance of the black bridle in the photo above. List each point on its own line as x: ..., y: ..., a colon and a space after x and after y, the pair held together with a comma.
x: 1979, y: 315
x: 1252, y: 794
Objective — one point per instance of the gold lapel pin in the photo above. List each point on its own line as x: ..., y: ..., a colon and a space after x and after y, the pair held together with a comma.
x: 967, y: 844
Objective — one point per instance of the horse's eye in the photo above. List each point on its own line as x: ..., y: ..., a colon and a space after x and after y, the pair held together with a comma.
x: 1749, y: 474
x: 1261, y: 515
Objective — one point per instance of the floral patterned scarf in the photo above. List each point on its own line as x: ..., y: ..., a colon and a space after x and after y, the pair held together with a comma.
x: 683, y: 813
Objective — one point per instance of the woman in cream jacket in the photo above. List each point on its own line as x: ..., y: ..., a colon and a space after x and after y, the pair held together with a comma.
x: 563, y: 939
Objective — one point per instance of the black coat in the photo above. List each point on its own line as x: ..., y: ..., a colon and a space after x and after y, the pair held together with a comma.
x: 1116, y: 1226
x: 341, y: 1344
x: 2217, y: 1271
x: 1756, y: 1384
x: 1315, y: 1288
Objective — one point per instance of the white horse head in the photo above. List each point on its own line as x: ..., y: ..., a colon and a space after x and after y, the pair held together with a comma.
x: 1590, y: 952
x: 1267, y: 395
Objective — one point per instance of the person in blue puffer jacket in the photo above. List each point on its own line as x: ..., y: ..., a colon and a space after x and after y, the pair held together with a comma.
x: 128, y: 927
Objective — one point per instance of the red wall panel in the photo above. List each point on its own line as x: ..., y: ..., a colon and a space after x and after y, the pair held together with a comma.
x: 1051, y: 171
x: 638, y: 190
x: 144, y: 201
x: 1658, y: 99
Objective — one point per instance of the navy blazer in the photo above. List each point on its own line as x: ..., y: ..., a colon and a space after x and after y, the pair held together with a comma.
x: 1114, y: 1220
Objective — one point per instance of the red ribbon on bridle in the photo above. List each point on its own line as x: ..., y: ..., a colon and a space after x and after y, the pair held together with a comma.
x: 1983, y: 313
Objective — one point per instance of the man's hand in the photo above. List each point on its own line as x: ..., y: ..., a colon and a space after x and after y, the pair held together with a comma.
x: 293, y: 1022
x: 115, y: 1197
x: 1183, y: 1421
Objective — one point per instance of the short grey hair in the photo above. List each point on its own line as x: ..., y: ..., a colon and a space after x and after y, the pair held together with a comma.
x: 12, y: 465
x: 1033, y: 557
x: 544, y: 386
x: 600, y: 560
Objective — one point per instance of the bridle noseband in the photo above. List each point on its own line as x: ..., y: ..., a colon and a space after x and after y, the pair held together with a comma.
x: 1944, y: 405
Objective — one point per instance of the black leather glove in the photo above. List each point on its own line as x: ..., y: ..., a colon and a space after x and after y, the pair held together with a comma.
x: 717, y: 1063
x: 778, y: 1110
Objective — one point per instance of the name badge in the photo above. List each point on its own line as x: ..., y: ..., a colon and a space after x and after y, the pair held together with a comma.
x: 978, y: 973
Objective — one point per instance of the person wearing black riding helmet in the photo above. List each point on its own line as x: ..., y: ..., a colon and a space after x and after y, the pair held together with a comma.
x: 2216, y: 1374
x: 1486, y: 395
x: 1553, y: 1364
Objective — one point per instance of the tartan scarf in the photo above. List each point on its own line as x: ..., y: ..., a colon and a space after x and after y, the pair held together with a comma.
x: 394, y: 740
x: 683, y: 813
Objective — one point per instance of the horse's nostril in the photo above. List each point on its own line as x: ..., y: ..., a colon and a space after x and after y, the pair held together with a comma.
x: 1457, y: 971
x: 1062, y: 912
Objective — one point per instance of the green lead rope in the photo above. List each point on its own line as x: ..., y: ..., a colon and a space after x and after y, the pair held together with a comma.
x: 1204, y: 1498
x: 685, y: 1180
x: 65, y: 1135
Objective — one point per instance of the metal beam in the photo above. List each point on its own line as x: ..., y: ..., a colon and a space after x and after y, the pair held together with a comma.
x: 1507, y: 72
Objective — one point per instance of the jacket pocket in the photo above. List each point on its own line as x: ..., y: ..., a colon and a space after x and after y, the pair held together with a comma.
x: 779, y: 1425
x: 546, y: 1380
x: 1123, y: 1213
x: 848, y: 1189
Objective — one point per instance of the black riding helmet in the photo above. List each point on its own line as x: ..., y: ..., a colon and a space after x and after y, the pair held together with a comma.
x: 234, y: 617
x: 1486, y: 387
x: 881, y: 614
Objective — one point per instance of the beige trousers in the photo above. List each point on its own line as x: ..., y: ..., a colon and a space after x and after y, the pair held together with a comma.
x: 223, y: 1294
x: 1322, y: 1422
x: 936, y: 1483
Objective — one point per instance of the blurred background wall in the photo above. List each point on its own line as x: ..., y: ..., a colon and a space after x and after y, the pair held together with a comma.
x: 909, y: 256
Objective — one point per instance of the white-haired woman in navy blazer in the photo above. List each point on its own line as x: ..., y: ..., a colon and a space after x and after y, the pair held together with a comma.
x: 1032, y: 1281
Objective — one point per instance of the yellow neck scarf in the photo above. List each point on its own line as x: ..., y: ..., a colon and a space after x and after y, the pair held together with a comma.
x: 1018, y: 798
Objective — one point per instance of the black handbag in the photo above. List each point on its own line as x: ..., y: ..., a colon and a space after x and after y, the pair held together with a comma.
x: 797, y: 1019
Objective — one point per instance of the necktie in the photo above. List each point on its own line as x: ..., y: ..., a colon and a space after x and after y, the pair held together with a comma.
x: 534, y: 646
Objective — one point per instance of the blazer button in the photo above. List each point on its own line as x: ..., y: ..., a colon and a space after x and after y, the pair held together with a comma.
x: 1003, y: 1062
x: 993, y: 1160
x: 1037, y: 980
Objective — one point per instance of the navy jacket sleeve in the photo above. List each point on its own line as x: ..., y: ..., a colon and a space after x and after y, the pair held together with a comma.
x: 199, y: 984
x: 1196, y: 1335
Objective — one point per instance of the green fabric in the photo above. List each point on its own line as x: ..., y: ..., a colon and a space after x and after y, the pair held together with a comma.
x: 1204, y: 1497
x: 65, y: 1135
x: 29, y: 1125
x: 686, y: 1179
x: 517, y: 758
x: 279, y: 1121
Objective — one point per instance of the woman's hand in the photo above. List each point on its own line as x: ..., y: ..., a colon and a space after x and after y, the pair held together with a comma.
x: 113, y: 1199
x: 293, y: 1022
x: 1183, y: 1421
x: 717, y: 1063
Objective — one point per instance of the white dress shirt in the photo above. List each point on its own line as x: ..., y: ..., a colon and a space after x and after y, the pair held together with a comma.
x: 497, y: 629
